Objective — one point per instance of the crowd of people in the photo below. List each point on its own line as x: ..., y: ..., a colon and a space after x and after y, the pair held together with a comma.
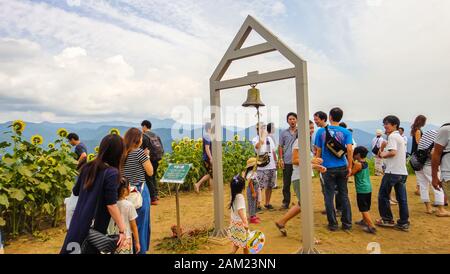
x: 113, y: 193
x: 337, y: 157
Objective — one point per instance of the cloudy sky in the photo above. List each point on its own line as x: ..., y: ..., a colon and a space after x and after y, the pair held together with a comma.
x: 99, y: 60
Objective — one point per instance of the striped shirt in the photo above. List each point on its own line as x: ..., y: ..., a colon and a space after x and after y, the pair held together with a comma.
x: 428, y: 139
x: 134, y: 167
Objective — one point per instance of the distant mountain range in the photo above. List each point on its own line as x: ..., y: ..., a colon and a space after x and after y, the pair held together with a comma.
x: 91, y: 133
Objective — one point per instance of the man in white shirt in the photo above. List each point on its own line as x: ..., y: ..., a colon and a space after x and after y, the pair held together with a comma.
x: 395, y: 177
x: 441, y: 158
x: 266, y: 175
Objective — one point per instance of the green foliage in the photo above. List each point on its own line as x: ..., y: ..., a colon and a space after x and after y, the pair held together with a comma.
x: 33, y: 183
x: 371, y: 162
x: 188, y: 151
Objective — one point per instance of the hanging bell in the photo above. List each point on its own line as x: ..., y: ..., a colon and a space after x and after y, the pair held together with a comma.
x: 253, y: 98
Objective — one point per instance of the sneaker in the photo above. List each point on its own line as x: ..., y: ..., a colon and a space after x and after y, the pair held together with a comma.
x: 346, y: 228
x: 284, y: 206
x: 370, y: 230
x: 361, y: 223
x: 333, y: 228
x: 253, y: 220
x: 404, y: 227
x: 269, y: 207
x: 383, y: 223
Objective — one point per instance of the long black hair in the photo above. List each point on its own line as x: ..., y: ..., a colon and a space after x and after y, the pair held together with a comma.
x: 110, y: 154
x: 237, y: 185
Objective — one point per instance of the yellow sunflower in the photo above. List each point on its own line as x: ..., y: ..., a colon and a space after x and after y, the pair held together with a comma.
x: 174, y: 144
x: 97, y: 149
x: 41, y: 161
x: 198, y: 146
x: 37, y: 139
x: 114, y: 131
x: 51, y: 161
x: 51, y: 146
x: 229, y: 143
x: 186, y: 139
x: 177, y: 149
x: 200, y: 140
x: 18, y: 126
x: 236, y: 137
x: 62, y: 132
x: 90, y: 157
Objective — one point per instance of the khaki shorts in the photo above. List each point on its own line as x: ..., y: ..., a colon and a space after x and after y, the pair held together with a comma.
x: 446, y: 188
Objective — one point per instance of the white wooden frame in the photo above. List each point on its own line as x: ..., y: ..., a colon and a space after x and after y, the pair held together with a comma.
x: 299, y: 72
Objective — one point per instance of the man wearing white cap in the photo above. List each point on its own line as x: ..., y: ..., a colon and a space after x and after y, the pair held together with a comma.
x: 376, y: 147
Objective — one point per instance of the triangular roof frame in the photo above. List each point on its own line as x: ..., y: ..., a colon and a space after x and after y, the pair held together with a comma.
x: 236, y: 52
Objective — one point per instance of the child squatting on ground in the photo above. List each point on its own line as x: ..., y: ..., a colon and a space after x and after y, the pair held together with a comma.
x: 129, y: 216
x: 363, y: 188
x: 238, y: 230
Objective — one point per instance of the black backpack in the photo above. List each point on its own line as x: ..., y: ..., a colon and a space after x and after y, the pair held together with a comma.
x: 334, y: 146
x: 156, y: 147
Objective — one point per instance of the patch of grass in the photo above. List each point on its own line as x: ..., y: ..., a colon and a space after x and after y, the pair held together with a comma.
x: 189, y: 242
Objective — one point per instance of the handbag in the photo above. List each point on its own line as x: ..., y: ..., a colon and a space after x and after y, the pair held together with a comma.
x: 264, y: 159
x: 376, y: 149
x: 97, y: 242
x: 334, y: 146
x: 135, y: 196
x: 420, y: 157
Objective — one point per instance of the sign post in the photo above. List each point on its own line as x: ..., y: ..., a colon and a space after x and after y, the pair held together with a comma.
x: 176, y: 174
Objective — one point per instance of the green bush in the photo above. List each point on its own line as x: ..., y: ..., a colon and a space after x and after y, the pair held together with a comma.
x: 33, y: 181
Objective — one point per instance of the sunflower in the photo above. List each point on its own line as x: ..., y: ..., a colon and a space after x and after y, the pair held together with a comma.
x: 51, y: 161
x: 97, y: 149
x: 62, y: 132
x: 186, y: 139
x: 229, y: 143
x: 18, y: 126
x: 51, y: 146
x: 191, y: 141
x: 177, y: 148
x: 236, y: 137
x: 41, y: 161
x: 114, y: 131
x: 37, y: 139
x: 200, y: 140
x: 174, y: 144
x: 198, y: 146
x: 90, y: 157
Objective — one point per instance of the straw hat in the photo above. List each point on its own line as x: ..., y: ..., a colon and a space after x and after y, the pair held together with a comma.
x: 379, y: 132
x: 251, y: 162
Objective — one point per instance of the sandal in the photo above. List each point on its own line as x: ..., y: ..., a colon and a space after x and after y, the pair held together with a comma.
x: 282, y: 229
x: 383, y: 223
x: 442, y: 215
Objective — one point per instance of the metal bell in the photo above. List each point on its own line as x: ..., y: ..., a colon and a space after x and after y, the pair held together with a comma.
x: 253, y: 98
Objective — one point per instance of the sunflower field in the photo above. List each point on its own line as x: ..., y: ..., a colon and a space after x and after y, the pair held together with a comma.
x: 235, y: 155
x: 34, y: 181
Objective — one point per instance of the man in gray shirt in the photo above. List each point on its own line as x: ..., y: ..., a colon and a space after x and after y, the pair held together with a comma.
x: 287, y: 139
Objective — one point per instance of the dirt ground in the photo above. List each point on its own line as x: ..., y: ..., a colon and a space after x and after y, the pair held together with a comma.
x: 428, y: 233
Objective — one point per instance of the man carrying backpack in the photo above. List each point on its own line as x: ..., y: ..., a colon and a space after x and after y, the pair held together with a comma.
x: 334, y: 144
x: 153, y: 143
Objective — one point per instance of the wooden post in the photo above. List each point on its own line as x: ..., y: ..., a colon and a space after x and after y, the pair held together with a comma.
x: 178, y: 212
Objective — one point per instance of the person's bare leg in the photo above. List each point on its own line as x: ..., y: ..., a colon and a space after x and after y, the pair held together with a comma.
x: 211, y: 185
x: 199, y: 183
x: 234, y: 250
x: 268, y: 195
x: 293, y: 211
x: 367, y: 219
x: 428, y: 208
